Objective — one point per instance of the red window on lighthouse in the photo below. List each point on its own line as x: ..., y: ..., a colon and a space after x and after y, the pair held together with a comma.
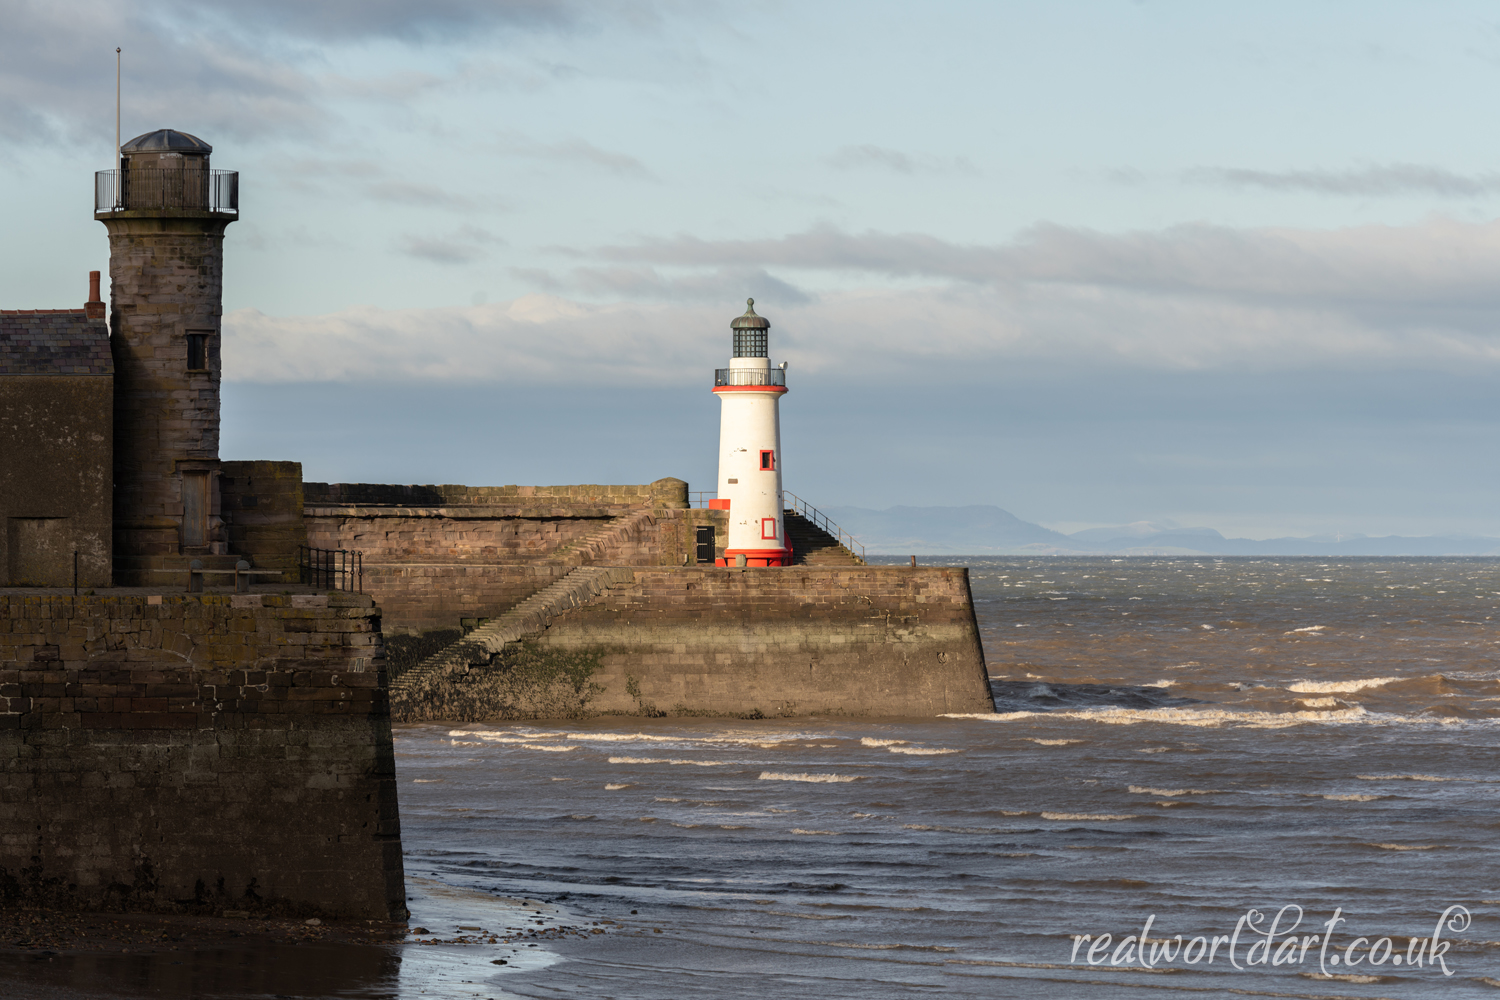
x: 768, y: 527
x: 767, y: 461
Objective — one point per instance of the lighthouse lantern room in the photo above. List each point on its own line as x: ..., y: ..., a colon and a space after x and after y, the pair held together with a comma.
x: 750, y: 392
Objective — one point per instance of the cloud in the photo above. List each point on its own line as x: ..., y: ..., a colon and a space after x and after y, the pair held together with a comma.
x: 1197, y: 298
x: 537, y: 339
x: 57, y: 76
x: 575, y: 151
x: 248, y: 68
x: 726, y: 284
x: 1436, y: 265
x: 462, y: 246
x: 421, y: 195
x: 867, y: 156
x: 401, y: 20
x: 1396, y: 179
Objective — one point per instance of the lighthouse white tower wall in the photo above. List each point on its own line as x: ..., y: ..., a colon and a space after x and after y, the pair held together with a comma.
x: 750, y: 392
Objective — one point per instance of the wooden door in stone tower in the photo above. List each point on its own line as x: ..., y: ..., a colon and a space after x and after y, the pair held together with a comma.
x: 194, y: 509
x: 705, y: 539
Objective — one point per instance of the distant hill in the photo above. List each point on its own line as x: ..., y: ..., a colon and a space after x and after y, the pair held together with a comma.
x: 989, y: 530
x: 977, y: 530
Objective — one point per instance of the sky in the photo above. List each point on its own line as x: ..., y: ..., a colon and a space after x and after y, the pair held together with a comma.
x: 1231, y: 265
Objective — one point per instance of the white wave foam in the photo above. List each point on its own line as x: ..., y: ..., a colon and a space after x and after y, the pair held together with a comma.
x: 1318, y: 702
x: 820, y: 778
x: 1168, y: 793
x: 870, y: 742
x: 543, y: 746
x: 426, y: 781
x: 815, y: 833
x: 1050, y: 743
x: 1160, y: 684
x: 467, y: 743
x: 1213, y: 718
x: 1404, y: 847
x: 1087, y: 816
x: 664, y: 760
x: 1339, y: 687
x: 627, y: 738
x: 488, y: 737
x: 920, y: 751
x: 1352, y: 798
x: 1342, y: 977
x: 1306, y: 628
x: 1154, y: 750
x: 616, y: 788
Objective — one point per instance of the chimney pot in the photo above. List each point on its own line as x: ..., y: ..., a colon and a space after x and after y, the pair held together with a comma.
x: 94, y: 307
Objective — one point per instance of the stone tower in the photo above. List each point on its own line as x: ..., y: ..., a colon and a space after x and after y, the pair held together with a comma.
x: 166, y: 212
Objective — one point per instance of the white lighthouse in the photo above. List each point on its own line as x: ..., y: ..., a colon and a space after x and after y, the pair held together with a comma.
x: 750, y: 448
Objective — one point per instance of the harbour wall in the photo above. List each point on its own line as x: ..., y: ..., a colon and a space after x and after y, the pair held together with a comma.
x: 441, y: 557
x: 752, y: 642
x: 197, y: 753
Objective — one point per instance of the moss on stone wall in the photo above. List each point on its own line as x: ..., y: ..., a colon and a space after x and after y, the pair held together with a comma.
x: 524, y: 681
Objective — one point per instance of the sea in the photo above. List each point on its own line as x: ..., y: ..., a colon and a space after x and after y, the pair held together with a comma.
x: 1202, y: 777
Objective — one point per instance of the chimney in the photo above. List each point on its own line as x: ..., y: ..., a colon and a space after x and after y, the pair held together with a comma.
x: 94, y: 307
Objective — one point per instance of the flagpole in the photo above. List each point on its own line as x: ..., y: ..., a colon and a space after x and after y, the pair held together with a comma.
x: 117, y: 107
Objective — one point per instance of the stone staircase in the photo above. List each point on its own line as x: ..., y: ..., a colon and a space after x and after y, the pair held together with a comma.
x: 601, y: 541
x: 580, y: 586
x: 812, y: 546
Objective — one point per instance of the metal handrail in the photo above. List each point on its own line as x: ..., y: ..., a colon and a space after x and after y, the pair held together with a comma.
x: 332, y: 569
x: 819, y: 519
x: 184, y: 187
x: 749, y: 376
x: 700, y: 498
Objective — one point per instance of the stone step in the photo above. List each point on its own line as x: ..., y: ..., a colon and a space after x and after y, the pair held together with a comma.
x: 581, y: 586
x: 812, y: 546
x: 599, y: 542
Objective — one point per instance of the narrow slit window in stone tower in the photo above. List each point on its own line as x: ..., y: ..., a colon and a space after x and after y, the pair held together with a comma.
x: 197, y: 352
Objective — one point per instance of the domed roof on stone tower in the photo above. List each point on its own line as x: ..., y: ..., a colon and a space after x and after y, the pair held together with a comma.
x: 750, y: 321
x: 167, y: 140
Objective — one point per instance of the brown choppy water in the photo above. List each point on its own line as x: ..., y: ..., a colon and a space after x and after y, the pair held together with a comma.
x: 1181, y: 740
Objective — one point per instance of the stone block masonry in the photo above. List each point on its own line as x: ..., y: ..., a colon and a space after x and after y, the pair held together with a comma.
x: 435, y: 557
x: 166, y: 277
x: 797, y: 640
x: 263, y: 514
x: 197, y: 753
x: 780, y: 641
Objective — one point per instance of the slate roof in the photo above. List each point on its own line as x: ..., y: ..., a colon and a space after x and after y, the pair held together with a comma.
x: 167, y: 139
x: 53, y: 342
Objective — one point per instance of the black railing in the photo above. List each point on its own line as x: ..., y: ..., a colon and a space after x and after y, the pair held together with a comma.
x: 749, y: 376
x: 332, y: 569
x: 700, y: 499
x: 151, y: 189
x: 792, y: 502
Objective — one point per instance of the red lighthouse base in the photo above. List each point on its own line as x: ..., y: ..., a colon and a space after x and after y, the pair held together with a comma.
x: 757, y: 557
